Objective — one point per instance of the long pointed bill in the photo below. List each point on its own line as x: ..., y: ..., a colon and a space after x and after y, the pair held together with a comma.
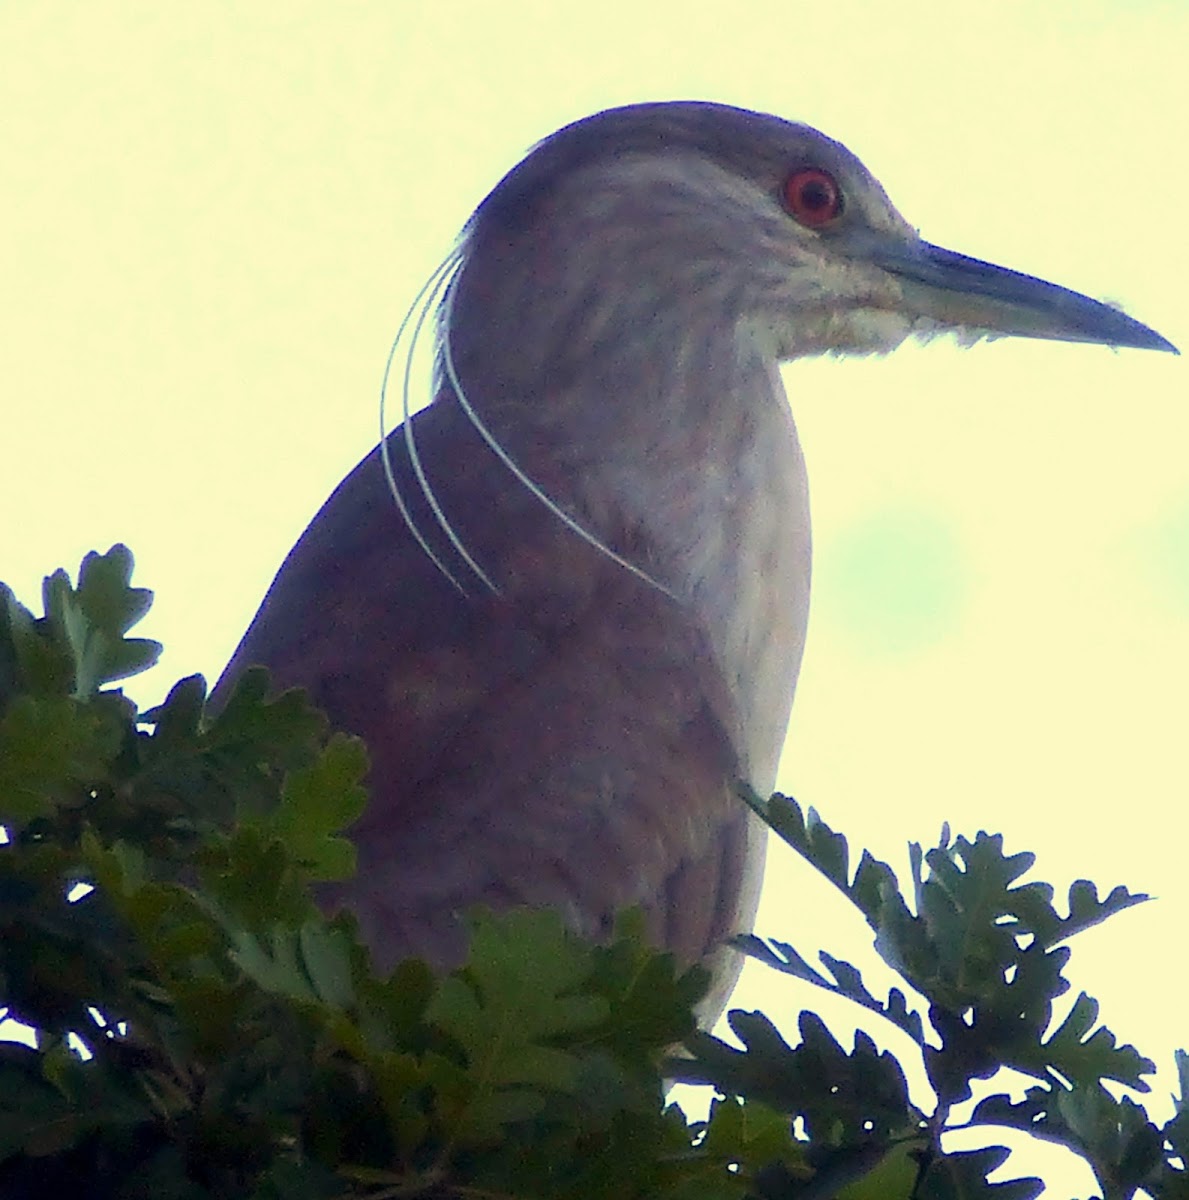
x: 953, y: 290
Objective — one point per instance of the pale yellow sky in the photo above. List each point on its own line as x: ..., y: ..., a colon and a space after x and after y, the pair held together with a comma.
x: 215, y: 215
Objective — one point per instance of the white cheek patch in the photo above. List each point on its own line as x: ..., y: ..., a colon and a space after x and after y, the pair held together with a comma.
x: 926, y: 330
x: 875, y: 329
x: 854, y: 331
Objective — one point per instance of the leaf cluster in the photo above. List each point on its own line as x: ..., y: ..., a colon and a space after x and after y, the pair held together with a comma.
x: 984, y: 952
x: 203, y: 1029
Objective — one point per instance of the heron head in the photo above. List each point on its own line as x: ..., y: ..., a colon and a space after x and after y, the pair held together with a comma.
x: 676, y: 219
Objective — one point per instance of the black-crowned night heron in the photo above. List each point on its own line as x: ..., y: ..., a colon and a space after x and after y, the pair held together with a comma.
x: 589, y: 622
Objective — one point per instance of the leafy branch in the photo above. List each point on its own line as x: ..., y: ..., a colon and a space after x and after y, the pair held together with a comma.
x: 986, y: 953
x: 157, y: 909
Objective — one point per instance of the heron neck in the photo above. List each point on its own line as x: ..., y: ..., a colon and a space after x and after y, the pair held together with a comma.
x: 683, y: 457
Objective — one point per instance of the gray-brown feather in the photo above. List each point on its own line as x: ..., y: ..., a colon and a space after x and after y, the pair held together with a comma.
x: 565, y: 743
x: 578, y: 738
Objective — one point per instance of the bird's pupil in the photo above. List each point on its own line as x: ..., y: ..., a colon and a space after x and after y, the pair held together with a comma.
x: 815, y: 195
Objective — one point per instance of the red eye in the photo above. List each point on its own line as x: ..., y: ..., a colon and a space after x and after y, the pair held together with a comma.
x: 812, y: 196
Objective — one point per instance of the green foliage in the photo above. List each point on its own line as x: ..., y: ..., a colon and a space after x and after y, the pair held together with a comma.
x: 986, y: 954
x: 237, y: 1042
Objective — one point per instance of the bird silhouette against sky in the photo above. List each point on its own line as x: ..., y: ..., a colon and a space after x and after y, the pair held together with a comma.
x: 565, y: 605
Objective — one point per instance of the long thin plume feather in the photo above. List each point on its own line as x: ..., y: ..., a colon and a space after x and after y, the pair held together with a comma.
x: 447, y: 360
x: 422, y: 305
